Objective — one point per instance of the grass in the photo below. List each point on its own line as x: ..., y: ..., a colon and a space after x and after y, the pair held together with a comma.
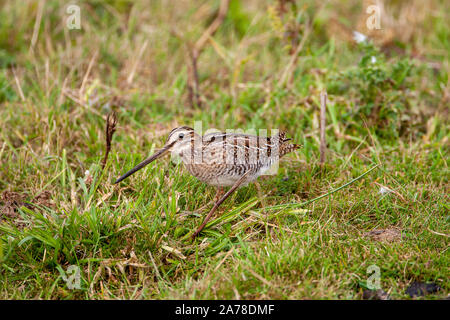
x: 58, y: 208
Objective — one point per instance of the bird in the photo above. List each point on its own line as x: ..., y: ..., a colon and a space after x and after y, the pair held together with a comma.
x: 222, y: 159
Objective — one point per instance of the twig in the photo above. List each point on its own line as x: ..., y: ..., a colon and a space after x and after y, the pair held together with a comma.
x: 200, y: 44
x: 158, y: 274
x: 323, y: 110
x: 111, y: 122
x: 86, y: 75
x: 196, y: 50
x: 438, y: 233
x: 136, y: 62
x: 289, y: 70
x: 19, y: 87
x: 193, y: 91
x: 37, y: 24
x: 223, y: 260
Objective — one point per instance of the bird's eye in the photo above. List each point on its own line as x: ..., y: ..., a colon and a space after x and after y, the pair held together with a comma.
x: 181, y: 136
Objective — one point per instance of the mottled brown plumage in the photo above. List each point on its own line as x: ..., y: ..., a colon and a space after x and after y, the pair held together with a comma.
x: 222, y: 159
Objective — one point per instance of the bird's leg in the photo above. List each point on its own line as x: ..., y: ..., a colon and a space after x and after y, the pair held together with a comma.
x: 219, y: 202
x: 219, y: 194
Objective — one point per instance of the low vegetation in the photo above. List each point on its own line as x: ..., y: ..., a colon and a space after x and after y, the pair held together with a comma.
x: 264, y: 67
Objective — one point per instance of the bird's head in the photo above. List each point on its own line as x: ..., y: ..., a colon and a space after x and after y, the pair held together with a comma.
x: 179, y: 141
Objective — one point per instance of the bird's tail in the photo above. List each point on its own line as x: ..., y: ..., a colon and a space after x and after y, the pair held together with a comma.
x: 285, y: 146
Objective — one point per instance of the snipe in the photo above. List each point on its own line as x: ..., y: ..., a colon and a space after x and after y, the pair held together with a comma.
x: 222, y: 159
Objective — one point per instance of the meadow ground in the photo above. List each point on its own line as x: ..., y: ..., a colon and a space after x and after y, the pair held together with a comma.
x: 263, y: 68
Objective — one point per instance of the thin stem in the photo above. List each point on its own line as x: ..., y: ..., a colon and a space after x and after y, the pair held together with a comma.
x: 296, y: 205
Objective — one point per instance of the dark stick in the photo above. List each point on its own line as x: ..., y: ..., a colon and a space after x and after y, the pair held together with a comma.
x: 111, y: 122
x: 193, y: 86
x: 218, y: 203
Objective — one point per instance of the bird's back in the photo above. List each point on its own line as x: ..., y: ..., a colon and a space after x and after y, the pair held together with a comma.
x: 222, y: 158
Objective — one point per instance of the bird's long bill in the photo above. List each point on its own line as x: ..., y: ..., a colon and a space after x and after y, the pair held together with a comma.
x: 144, y: 163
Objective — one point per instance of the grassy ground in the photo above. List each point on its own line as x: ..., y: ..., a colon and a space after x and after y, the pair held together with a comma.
x: 388, y: 105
